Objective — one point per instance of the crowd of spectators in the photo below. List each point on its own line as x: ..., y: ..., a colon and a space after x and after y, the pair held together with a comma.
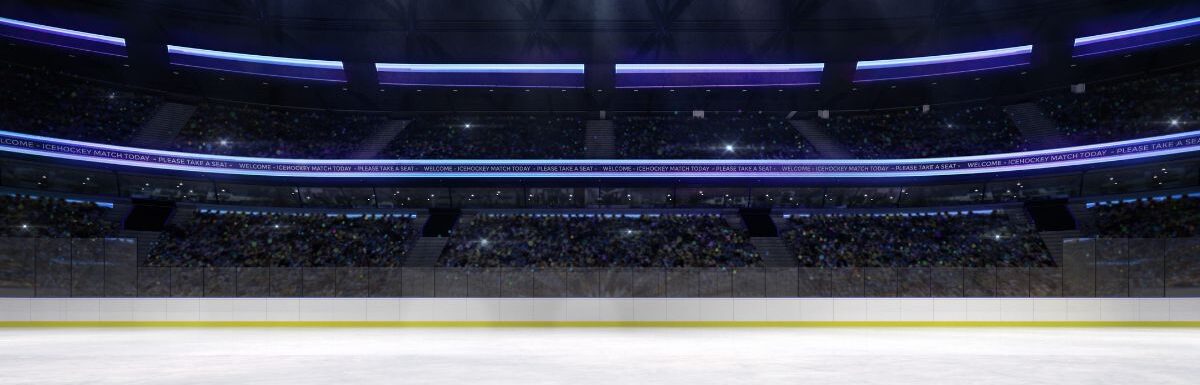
x: 913, y: 133
x: 286, y: 240
x: 1149, y: 218
x: 557, y: 136
x: 49, y: 103
x: 273, y: 132
x: 938, y: 240
x: 598, y: 241
x: 729, y: 135
x: 1128, y: 109
x: 27, y: 216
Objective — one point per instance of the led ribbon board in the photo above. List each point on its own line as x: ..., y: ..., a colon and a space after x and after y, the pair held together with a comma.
x: 915, y: 67
x: 282, y: 67
x: 1187, y: 142
x: 1136, y: 38
x: 482, y: 75
x: 61, y: 37
x: 716, y: 75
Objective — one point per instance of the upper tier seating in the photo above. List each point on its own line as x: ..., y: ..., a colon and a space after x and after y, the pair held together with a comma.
x: 723, y: 135
x: 59, y: 105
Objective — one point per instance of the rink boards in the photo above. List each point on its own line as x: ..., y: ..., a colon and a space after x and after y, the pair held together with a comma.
x: 600, y: 311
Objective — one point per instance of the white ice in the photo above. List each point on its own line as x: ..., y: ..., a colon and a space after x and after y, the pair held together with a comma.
x: 582, y: 356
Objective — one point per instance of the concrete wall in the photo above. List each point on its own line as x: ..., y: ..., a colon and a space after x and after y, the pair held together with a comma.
x: 599, y: 309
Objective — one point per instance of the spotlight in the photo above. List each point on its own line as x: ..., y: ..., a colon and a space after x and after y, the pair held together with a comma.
x: 728, y: 148
x: 1174, y: 122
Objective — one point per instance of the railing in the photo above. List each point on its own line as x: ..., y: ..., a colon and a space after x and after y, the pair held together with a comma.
x: 108, y: 268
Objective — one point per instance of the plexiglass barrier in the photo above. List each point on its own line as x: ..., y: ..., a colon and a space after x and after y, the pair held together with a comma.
x: 31, y: 267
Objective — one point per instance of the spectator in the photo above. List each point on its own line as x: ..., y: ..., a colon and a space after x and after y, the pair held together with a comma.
x: 1142, y: 107
x: 289, y: 240
x: 490, y: 137
x: 272, y: 132
x: 716, y: 136
x: 920, y: 240
x: 25, y: 216
x: 1149, y: 218
x: 598, y: 241
x: 59, y: 105
x: 911, y: 133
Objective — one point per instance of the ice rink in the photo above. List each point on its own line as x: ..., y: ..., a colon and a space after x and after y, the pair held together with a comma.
x: 579, y: 356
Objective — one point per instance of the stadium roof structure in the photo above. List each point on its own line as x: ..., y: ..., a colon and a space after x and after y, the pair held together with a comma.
x: 835, y: 36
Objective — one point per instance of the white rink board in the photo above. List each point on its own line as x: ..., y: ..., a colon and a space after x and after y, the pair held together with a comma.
x: 601, y: 309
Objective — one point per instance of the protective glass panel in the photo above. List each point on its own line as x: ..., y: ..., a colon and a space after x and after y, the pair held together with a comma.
x: 1112, y: 268
x: 613, y: 283
x: 87, y: 267
x: 649, y: 282
x: 53, y: 267
x: 120, y: 267
x: 253, y: 282
x: 386, y: 282
x: 979, y: 282
x: 154, y: 282
x: 1183, y: 267
x: 849, y: 282
x: 450, y: 283
x: 517, y: 283
x: 681, y: 283
x: 881, y: 282
x: 580, y: 283
x: 715, y: 283
x: 220, y: 282
x: 287, y: 282
x: 815, y: 282
x: 187, y: 282
x: 319, y: 282
x: 351, y: 282
x: 1147, y: 267
x: 946, y: 281
x: 781, y: 282
x: 549, y: 283
x: 1012, y: 282
x: 915, y: 282
x: 484, y: 283
x: 1079, y: 268
x: 1045, y: 282
x: 748, y: 282
x: 16, y: 267
x: 417, y: 282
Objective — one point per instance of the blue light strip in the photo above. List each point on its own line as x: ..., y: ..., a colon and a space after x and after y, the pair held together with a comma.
x: 716, y: 75
x: 710, y: 68
x: 1136, y: 38
x: 306, y: 69
x: 486, y: 68
x: 63, y: 31
x: 243, y: 57
x: 944, y: 59
x: 62, y: 37
x: 958, y: 63
x: 482, y: 75
x: 1135, y: 32
x: 1180, y: 143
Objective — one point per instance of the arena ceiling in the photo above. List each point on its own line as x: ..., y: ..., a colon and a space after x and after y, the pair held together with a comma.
x: 601, y: 33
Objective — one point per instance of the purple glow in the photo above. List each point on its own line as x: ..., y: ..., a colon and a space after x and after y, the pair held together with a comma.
x: 482, y: 75
x: 716, y: 75
x: 1188, y: 142
x: 306, y: 69
x: 906, y: 68
x: 710, y: 68
x: 61, y: 37
x: 1136, y: 38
